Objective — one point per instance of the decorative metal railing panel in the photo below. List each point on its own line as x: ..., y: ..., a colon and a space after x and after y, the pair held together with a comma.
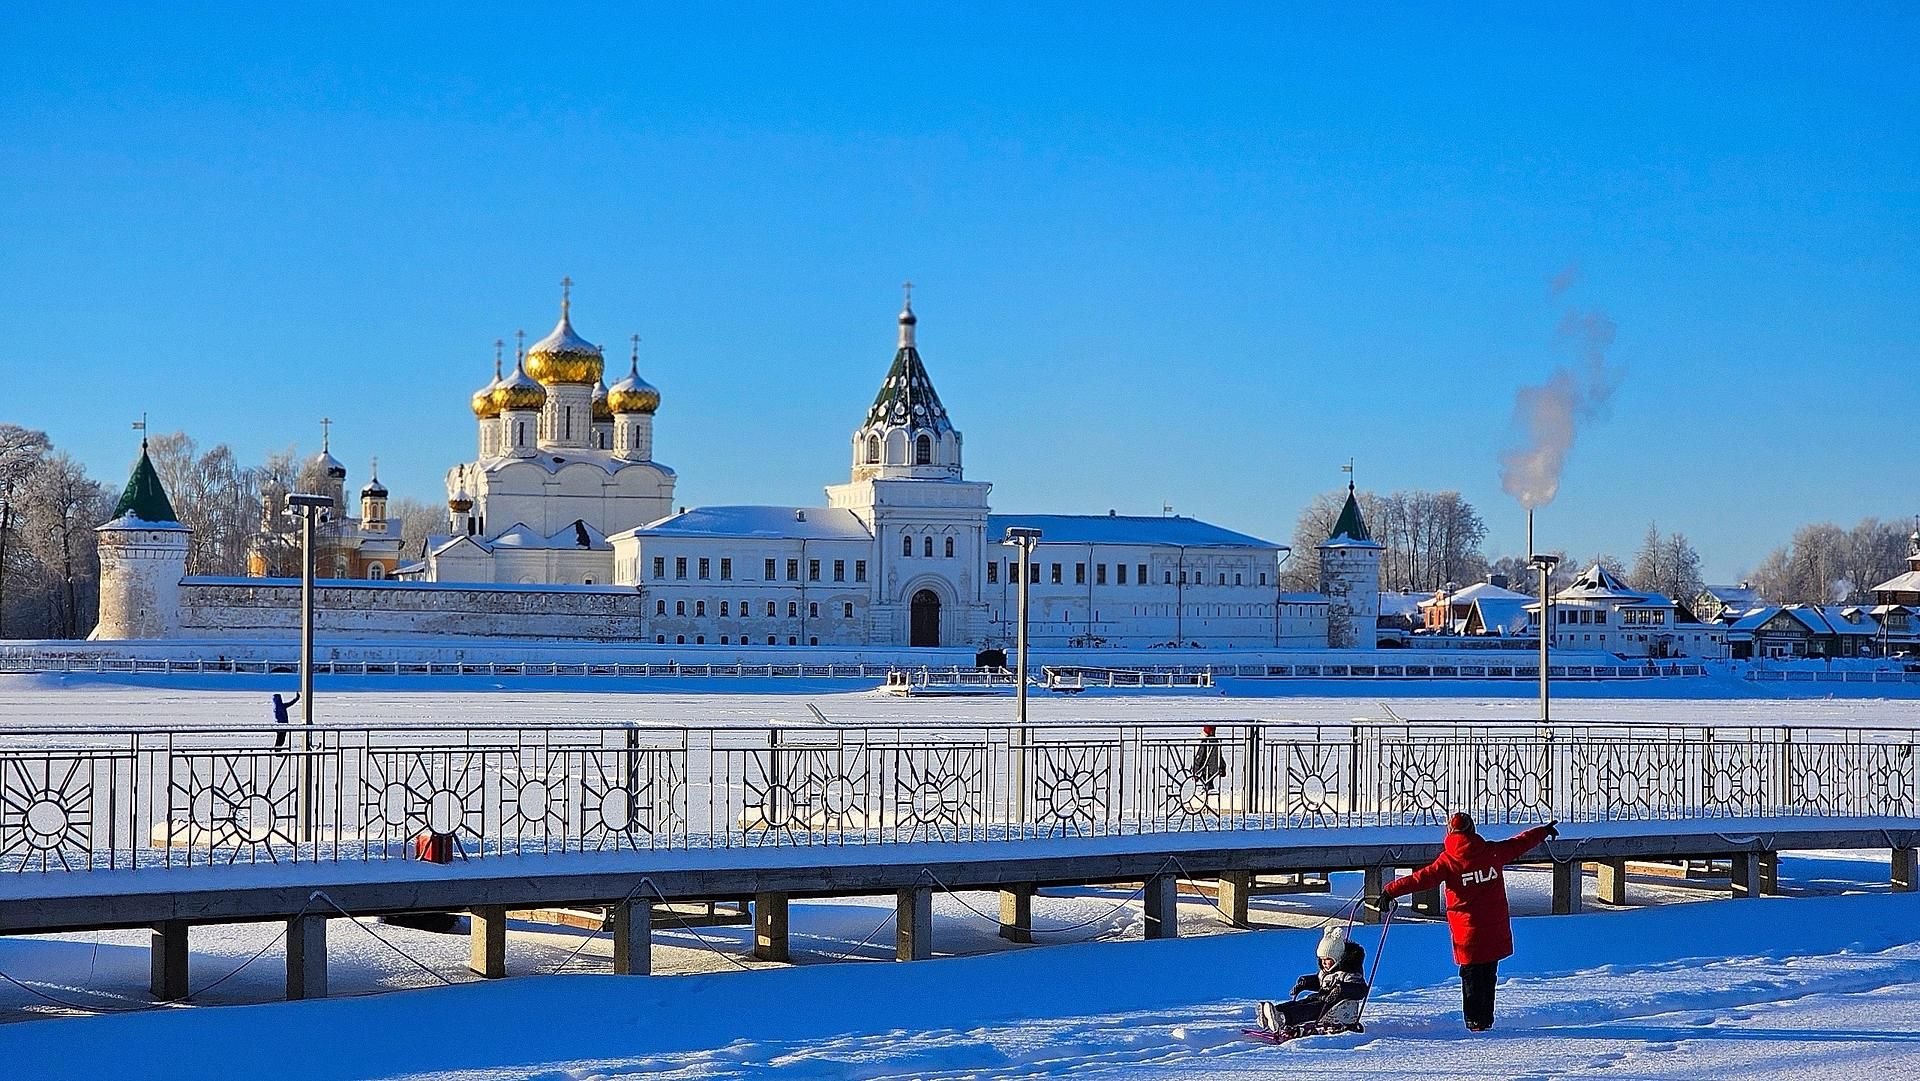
x: 104, y: 799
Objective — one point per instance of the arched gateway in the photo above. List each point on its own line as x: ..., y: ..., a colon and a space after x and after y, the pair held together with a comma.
x: 925, y: 628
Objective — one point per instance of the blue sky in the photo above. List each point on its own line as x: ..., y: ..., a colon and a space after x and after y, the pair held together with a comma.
x: 1197, y: 259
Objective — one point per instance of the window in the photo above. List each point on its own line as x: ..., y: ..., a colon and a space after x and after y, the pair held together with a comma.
x: 839, y: 570
x: 699, y: 639
x: 1263, y: 577
x: 1079, y: 574
x: 906, y: 546
x: 993, y: 571
x: 923, y: 450
x: 770, y: 571
x: 726, y: 570
x: 723, y: 639
x: 376, y: 572
x: 679, y: 608
x: 723, y: 608
x: 813, y: 609
x: 660, y: 639
x: 1099, y: 574
x: 1142, y: 579
x: 699, y: 608
x: 793, y: 570
x: 813, y: 641
x: 680, y: 567
x: 1222, y: 581
x: 659, y: 608
x: 1236, y: 578
x: 847, y: 610
x: 770, y: 639
x: 859, y: 570
x: 771, y: 612
x: 659, y: 566
x: 1169, y: 577
x: 949, y: 547
x: 1056, y: 574
x: 873, y: 450
x: 926, y: 548
x: 1033, y: 573
x: 679, y: 639
x: 1120, y: 573
x: 703, y: 570
x: 813, y: 570
x: 793, y: 611
x: 793, y: 640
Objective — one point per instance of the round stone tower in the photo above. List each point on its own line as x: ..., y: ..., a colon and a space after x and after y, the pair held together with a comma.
x: 143, y: 556
x: 1350, y: 577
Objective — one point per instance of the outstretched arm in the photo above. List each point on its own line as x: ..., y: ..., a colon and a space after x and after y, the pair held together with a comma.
x: 1425, y: 878
x: 1515, y: 847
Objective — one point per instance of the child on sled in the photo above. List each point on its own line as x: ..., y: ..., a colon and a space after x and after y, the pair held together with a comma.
x: 1325, y: 1001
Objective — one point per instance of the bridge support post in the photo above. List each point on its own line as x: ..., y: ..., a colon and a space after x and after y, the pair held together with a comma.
x: 1746, y: 874
x: 913, y: 924
x: 1161, y: 902
x: 632, y: 925
x: 1906, y: 870
x: 487, y: 942
x: 1372, y: 881
x: 1428, y: 903
x: 1769, y: 873
x: 307, y: 957
x: 1613, y: 881
x: 167, y: 963
x: 1016, y: 912
x: 1234, y: 889
x: 1569, y: 879
x: 770, y: 926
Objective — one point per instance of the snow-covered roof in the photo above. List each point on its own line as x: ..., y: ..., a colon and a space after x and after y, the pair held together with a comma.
x: 1740, y: 598
x: 1402, y: 604
x: 776, y: 523
x: 1903, y: 583
x: 579, y: 534
x: 1502, y: 615
x: 1597, y: 583
x: 517, y: 535
x: 1473, y: 594
x: 1170, y: 531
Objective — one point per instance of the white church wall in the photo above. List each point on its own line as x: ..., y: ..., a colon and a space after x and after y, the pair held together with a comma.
x: 253, y: 607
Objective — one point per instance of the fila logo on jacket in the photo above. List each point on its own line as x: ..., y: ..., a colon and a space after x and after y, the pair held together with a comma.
x: 1482, y: 877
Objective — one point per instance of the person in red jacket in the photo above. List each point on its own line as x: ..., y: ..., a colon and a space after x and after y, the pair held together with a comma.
x: 1470, y: 865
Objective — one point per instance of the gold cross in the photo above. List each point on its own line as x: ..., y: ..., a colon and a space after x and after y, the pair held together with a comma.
x: 908, y: 286
x: 326, y: 431
x: 566, y: 293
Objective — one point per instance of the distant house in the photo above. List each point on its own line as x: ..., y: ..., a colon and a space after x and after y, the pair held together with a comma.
x: 1599, y: 611
x: 1508, y: 617
x: 1896, y: 602
x: 1805, y: 630
x: 1714, y: 602
x: 1446, y: 612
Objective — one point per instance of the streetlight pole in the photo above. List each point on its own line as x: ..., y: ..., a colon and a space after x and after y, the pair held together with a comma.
x: 1544, y: 564
x: 6, y: 523
x: 1023, y: 539
x: 309, y: 508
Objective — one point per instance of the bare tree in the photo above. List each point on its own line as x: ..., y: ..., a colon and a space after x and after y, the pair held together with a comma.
x: 1666, y: 564
x: 415, y: 521
x: 61, y: 508
x: 21, y: 452
x: 215, y: 496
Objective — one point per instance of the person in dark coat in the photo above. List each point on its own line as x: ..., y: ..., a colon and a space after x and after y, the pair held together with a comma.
x: 281, y: 720
x: 1471, y: 867
x: 1341, y: 976
x: 1209, y: 765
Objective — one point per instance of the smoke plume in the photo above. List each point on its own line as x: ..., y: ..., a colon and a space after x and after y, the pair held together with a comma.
x: 1550, y: 415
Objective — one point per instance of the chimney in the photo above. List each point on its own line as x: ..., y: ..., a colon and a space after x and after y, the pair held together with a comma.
x: 1498, y: 581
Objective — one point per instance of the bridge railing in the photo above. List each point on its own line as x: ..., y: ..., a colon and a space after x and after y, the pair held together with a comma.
x: 108, y: 799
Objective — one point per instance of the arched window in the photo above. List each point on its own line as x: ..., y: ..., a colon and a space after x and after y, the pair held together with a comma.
x: 927, y: 548
x: 340, y: 567
x: 949, y: 547
x: 793, y: 609
x: 659, y: 608
x: 923, y: 450
x: 813, y: 610
x: 723, y: 609
x: 769, y: 639
x: 699, y: 608
x: 679, y: 608
x: 906, y: 546
x: 376, y: 571
x: 873, y: 450
x: 519, y: 433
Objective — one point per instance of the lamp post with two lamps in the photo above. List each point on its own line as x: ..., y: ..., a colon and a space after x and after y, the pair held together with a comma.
x: 1024, y: 539
x: 310, y: 507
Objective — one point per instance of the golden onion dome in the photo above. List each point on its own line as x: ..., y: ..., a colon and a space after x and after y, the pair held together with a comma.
x: 482, y: 403
x: 601, y: 410
x: 519, y: 391
x: 563, y: 356
x: 461, y: 501
x: 634, y: 394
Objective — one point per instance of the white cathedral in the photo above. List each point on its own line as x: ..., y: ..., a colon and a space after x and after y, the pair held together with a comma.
x: 564, y: 496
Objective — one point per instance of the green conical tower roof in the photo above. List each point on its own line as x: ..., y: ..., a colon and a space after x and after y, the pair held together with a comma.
x: 145, y: 497
x: 1350, y: 526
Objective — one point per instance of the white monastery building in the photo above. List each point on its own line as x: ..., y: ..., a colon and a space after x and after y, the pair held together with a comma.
x: 564, y: 518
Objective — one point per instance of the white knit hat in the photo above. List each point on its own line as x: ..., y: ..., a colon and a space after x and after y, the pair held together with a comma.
x: 1333, y: 944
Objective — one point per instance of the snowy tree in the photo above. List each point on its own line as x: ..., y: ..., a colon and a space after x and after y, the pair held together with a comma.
x: 214, y: 495
x: 1428, y: 539
x: 21, y: 452
x: 1666, y: 564
x: 1824, y: 564
x: 415, y: 521
x: 60, y: 506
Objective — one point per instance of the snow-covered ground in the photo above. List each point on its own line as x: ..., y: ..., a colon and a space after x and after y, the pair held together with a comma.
x: 1820, y: 983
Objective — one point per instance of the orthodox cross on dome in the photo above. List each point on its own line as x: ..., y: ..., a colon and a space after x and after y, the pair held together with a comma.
x: 519, y: 347
x: 636, y: 349
x: 566, y: 294
x: 907, y: 286
x: 498, y: 345
x: 326, y: 432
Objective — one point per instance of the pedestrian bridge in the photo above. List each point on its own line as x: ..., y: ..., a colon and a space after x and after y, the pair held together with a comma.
x: 170, y: 828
